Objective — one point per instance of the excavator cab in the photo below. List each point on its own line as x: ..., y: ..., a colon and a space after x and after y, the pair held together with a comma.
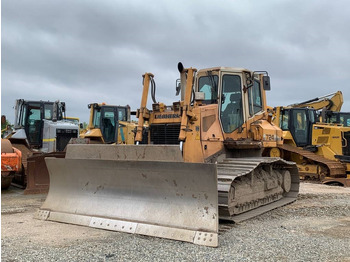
x: 338, y: 118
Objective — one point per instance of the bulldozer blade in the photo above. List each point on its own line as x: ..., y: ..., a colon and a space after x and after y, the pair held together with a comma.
x: 173, y: 200
x: 38, y: 180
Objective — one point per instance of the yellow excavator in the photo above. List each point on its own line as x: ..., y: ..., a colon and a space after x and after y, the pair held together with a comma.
x: 331, y: 102
x: 203, y: 162
x: 321, y: 150
x: 109, y: 124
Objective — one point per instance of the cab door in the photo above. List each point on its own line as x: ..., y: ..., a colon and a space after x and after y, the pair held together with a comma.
x: 300, y: 126
x: 231, y: 106
x: 109, y: 124
x: 34, y: 124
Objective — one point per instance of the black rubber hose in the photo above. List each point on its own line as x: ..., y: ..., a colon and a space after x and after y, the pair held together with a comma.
x: 153, y: 90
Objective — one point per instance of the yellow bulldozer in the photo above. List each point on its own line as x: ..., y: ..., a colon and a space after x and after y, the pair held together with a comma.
x: 202, y: 163
x: 109, y: 124
x: 315, y: 139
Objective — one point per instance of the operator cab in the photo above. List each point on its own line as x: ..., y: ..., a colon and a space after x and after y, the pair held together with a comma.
x: 227, y: 87
x: 106, y: 118
x: 30, y: 116
x: 299, y: 121
x: 338, y: 118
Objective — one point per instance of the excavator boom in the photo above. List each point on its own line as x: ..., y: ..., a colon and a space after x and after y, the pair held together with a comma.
x: 332, y: 102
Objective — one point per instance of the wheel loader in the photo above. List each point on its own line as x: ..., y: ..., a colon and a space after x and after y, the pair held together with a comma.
x: 321, y: 150
x: 202, y: 163
x: 40, y: 130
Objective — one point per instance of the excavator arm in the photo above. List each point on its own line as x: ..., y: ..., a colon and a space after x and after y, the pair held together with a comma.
x: 333, y: 102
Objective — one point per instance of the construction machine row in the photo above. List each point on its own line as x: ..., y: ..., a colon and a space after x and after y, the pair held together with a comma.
x: 219, y: 153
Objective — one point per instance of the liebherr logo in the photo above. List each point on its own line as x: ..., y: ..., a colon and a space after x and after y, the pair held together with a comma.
x: 166, y: 116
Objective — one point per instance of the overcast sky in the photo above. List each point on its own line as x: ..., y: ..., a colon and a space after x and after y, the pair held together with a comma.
x: 96, y: 51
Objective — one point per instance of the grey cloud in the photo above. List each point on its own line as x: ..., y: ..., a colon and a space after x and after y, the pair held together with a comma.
x: 96, y: 51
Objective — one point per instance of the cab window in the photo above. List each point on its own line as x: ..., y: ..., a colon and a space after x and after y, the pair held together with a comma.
x: 284, y: 117
x: 48, y: 108
x: 209, y: 86
x: 23, y: 115
x: 108, y: 118
x: 231, y: 103
x: 255, y: 100
x: 97, y: 117
x: 122, y: 114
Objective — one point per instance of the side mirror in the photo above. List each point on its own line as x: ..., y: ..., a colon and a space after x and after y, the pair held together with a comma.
x: 81, y: 125
x: 266, y: 83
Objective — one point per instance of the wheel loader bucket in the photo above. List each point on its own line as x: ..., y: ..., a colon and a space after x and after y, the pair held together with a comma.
x: 122, y: 188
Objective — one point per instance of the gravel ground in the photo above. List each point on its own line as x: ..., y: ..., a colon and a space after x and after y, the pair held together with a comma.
x: 314, y: 228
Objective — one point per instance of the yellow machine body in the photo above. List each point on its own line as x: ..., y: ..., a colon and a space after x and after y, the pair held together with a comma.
x: 109, y: 124
x: 324, y: 153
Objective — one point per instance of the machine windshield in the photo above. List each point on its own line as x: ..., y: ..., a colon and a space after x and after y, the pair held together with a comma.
x: 231, y: 103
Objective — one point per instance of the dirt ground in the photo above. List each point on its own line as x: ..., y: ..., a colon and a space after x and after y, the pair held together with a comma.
x: 17, y: 212
x: 19, y: 226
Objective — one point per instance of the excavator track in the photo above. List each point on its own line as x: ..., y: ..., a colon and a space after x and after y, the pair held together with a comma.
x: 336, y: 169
x: 248, y: 187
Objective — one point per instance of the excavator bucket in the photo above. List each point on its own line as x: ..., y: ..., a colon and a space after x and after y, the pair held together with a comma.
x: 145, y: 190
